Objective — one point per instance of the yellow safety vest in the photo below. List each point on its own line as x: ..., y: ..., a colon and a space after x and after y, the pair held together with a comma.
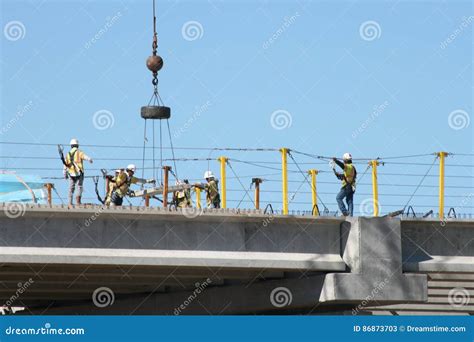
x: 349, y: 173
x: 75, y: 159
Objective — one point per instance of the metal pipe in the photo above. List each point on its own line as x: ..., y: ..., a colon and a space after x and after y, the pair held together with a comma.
x: 223, y: 161
x: 198, y: 197
x: 284, y: 177
x: 49, y: 187
x: 257, y: 182
x: 441, y: 156
x: 314, y: 196
x: 375, y: 189
x: 165, y: 185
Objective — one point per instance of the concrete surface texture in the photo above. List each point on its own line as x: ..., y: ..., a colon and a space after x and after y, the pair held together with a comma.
x: 94, y: 260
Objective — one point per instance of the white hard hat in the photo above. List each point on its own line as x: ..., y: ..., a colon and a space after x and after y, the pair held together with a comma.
x: 178, y: 182
x: 347, y: 156
x: 74, y: 141
x: 208, y: 174
x: 132, y: 167
x: 118, y: 171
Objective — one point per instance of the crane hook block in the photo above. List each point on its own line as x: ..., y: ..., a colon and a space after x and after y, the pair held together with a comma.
x: 155, y: 112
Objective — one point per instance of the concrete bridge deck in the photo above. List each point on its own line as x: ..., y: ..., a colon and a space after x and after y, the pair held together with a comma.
x: 153, y: 259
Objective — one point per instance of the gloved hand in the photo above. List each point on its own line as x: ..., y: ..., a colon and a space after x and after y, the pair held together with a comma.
x: 131, y: 193
x: 151, y: 181
x: 91, y: 161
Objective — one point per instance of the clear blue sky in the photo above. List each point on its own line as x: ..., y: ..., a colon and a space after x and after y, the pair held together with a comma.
x: 375, y: 78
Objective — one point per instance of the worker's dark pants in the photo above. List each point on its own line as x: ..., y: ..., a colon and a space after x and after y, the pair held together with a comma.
x: 347, y: 193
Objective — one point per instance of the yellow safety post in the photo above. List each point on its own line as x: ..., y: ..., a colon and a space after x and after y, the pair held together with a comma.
x: 375, y: 189
x: 441, y: 156
x: 198, y: 197
x: 284, y: 176
x: 314, y: 196
x: 223, y: 161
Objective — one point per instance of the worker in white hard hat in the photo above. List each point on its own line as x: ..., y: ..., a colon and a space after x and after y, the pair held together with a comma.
x: 212, y: 190
x: 182, y: 197
x: 123, y: 182
x: 74, y: 170
x: 348, y: 178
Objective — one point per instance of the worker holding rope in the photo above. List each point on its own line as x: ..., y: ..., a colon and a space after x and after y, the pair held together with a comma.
x: 74, y: 170
x: 348, y: 178
x: 122, y: 184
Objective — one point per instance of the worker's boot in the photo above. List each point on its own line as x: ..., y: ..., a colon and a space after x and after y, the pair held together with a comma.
x: 78, y: 200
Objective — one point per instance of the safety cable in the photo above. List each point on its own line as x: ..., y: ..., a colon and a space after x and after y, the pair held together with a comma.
x: 238, y: 179
x: 305, y: 178
x: 421, y: 181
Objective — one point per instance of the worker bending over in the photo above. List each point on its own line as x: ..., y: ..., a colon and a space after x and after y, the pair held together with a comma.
x: 111, y: 185
x: 122, y: 184
x: 74, y: 170
x: 348, y: 178
x: 182, y: 198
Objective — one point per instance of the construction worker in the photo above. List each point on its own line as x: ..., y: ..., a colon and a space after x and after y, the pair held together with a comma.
x: 74, y: 170
x: 182, y: 197
x: 123, y: 182
x: 348, y: 178
x: 212, y: 190
x: 111, y: 187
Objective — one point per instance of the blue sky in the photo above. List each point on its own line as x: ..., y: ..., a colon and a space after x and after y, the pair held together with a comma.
x: 375, y: 78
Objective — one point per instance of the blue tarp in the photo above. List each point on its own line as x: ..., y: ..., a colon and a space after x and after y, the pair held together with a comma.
x: 13, y: 189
